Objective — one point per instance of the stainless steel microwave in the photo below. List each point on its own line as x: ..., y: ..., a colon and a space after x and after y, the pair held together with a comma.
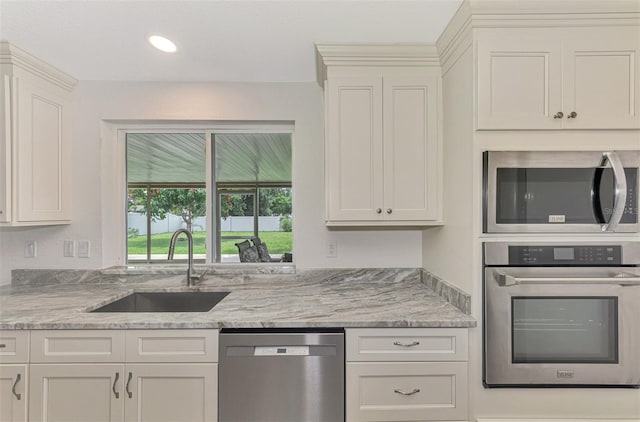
x: 561, y: 191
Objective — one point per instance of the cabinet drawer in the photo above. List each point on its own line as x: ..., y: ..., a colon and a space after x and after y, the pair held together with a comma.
x: 406, y: 391
x: 172, y: 346
x: 14, y: 346
x: 77, y: 346
x: 407, y: 344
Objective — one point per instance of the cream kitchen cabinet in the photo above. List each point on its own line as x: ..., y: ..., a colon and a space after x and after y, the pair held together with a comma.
x: 558, y: 78
x: 14, y: 358
x: 13, y: 399
x: 382, y: 138
x: 35, y: 140
x: 412, y: 374
x: 96, y: 375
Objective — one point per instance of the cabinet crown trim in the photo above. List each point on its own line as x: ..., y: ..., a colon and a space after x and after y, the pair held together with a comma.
x: 392, y: 54
x: 531, y: 14
x: 12, y: 55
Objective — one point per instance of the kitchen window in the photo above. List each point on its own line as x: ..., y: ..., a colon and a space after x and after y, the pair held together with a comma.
x: 223, y: 187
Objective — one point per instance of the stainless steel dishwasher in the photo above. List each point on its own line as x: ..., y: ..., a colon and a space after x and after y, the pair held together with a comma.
x: 269, y: 375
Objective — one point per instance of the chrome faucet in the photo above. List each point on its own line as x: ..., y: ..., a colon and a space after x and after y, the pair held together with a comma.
x: 191, y: 277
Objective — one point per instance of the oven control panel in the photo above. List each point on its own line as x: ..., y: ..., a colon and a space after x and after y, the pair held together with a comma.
x: 566, y: 255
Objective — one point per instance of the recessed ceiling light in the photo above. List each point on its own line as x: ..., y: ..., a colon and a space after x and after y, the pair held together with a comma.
x: 163, y: 44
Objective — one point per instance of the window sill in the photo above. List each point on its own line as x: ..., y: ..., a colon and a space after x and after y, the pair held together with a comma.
x: 169, y: 269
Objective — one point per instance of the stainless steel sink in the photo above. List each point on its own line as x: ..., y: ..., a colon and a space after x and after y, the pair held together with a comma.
x: 164, y: 302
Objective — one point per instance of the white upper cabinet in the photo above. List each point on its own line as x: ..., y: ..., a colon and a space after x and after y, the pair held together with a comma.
x: 558, y: 78
x: 35, y: 142
x: 382, y: 140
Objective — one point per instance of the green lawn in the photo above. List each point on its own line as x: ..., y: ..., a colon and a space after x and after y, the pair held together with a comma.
x: 277, y: 242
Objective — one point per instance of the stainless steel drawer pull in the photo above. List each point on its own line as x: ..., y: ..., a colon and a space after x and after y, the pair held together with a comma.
x: 129, y: 393
x: 397, y: 343
x: 115, y: 393
x: 13, y: 389
x: 405, y: 393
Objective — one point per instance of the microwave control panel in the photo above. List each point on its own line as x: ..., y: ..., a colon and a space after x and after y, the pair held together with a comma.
x: 566, y: 255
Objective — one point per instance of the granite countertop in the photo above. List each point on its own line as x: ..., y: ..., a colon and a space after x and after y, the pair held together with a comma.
x: 309, y: 298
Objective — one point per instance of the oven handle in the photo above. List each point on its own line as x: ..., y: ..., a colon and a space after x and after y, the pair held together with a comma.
x: 506, y: 280
x: 620, y: 194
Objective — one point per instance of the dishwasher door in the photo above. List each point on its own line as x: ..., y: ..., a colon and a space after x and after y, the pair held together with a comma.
x: 281, y: 376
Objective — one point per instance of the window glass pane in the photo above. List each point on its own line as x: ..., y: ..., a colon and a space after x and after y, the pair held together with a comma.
x: 275, y: 225
x: 253, y: 157
x: 565, y: 330
x: 236, y: 223
x: 166, y: 192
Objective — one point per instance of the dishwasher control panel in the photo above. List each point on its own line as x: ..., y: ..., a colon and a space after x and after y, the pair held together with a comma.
x: 281, y: 351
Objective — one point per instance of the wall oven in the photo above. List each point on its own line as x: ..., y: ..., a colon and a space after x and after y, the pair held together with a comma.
x: 561, y: 191
x: 561, y: 314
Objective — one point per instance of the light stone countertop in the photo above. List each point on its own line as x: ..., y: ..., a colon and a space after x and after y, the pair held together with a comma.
x: 309, y: 298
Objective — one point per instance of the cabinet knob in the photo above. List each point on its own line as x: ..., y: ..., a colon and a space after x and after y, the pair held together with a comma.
x: 558, y: 115
x: 572, y: 115
x: 379, y: 210
x: 389, y: 210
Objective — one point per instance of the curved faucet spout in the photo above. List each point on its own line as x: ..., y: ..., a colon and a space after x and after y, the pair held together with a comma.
x: 191, y: 277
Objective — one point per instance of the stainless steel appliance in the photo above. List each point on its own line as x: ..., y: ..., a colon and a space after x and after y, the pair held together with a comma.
x: 281, y: 376
x: 561, y: 191
x: 561, y: 314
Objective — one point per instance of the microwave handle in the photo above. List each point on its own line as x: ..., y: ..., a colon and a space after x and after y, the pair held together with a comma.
x: 506, y: 280
x: 620, y: 194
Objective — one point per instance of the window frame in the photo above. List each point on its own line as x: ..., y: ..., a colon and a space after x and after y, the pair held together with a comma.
x: 114, y: 180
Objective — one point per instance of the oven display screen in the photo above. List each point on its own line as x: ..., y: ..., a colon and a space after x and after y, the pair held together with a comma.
x: 563, y: 254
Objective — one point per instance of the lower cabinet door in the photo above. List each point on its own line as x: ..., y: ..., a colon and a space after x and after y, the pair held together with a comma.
x: 406, y: 391
x: 76, y: 392
x: 171, y: 392
x: 13, y: 393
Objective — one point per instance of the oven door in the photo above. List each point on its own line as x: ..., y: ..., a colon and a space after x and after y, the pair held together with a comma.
x: 561, y: 326
x: 561, y: 191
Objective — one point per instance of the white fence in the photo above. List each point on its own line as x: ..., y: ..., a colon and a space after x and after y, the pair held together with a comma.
x: 173, y: 222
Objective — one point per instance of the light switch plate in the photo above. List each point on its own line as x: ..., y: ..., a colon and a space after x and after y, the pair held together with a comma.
x: 30, y: 249
x: 332, y: 248
x: 84, y: 248
x: 69, y: 248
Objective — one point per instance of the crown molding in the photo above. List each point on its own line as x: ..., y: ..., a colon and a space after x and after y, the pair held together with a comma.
x: 530, y: 14
x: 328, y: 54
x: 14, y: 56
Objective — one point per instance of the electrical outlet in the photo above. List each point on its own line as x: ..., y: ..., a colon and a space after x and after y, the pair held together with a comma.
x: 332, y: 248
x: 69, y: 248
x: 84, y: 248
x: 30, y: 249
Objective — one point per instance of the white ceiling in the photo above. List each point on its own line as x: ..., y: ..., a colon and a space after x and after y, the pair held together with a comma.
x: 232, y: 40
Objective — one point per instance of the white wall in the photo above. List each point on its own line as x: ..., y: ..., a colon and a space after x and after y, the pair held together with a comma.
x: 100, y: 106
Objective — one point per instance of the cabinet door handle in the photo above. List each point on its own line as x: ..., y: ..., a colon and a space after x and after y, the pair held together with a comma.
x: 115, y: 393
x: 397, y: 343
x: 379, y: 210
x: 572, y: 115
x: 558, y: 115
x: 13, y: 389
x: 129, y: 393
x: 389, y: 210
x: 2, y: 345
x: 407, y: 393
